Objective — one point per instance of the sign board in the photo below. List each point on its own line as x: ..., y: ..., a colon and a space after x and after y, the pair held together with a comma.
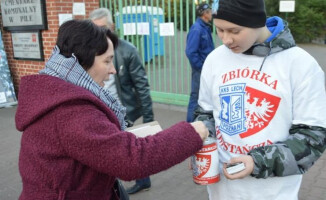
x: 143, y: 28
x: 23, y: 15
x: 7, y: 92
x: 129, y: 28
x: 27, y: 45
x: 167, y: 29
x: 78, y: 9
x: 64, y: 17
x: 287, y: 6
x: 146, y: 129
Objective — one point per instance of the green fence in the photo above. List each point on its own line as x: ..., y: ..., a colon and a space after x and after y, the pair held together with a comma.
x: 158, y: 28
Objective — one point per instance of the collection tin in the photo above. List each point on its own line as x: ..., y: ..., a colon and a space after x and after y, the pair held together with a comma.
x: 205, y: 163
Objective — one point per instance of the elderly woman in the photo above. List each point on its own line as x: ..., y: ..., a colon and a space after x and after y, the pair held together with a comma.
x: 74, y: 145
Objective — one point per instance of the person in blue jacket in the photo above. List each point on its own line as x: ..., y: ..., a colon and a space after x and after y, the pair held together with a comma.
x: 199, y: 45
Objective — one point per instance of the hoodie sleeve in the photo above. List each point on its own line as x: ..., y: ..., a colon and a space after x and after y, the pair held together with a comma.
x: 87, y: 135
x: 207, y: 118
x: 294, y: 156
x: 307, y: 136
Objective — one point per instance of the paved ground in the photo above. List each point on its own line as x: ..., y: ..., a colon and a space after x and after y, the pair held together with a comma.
x: 173, y: 184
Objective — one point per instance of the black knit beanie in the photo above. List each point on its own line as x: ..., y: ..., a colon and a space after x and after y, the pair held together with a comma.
x: 247, y: 13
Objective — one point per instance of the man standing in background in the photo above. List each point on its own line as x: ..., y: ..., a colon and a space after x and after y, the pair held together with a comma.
x: 130, y: 85
x: 199, y: 45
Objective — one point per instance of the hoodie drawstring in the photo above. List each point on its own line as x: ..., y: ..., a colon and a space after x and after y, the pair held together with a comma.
x: 261, y: 66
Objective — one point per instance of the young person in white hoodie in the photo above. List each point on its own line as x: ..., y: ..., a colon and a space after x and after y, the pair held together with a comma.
x: 264, y: 96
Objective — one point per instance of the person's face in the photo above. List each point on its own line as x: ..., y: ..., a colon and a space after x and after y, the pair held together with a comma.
x: 102, y: 22
x: 208, y: 15
x: 235, y: 37
x: 103, y: 66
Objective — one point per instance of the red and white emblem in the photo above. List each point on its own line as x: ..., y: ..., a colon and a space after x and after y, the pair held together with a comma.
x: 203, y: 163
x: 260, y: 108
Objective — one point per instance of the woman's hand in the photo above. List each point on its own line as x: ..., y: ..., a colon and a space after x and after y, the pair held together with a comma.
x: 201, y: 129
x: 247, y: 161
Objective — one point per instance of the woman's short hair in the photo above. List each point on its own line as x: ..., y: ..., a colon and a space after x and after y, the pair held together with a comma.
x: 85, y: 40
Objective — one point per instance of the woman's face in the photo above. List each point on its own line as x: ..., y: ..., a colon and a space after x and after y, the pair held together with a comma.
x: 103, y: 66
x: 237, y: 38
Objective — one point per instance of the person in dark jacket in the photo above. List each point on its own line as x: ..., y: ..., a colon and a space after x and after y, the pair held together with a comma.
x: 130, y: 85
x: 73, y: 144
x: 199, y: 45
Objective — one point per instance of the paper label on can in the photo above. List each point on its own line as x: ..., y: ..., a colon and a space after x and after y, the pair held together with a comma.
x: 208, y: 148
x: 205, y: 165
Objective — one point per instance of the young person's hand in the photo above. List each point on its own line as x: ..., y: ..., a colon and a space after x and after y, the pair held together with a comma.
x: 201, y: 129
x: 247, y: 161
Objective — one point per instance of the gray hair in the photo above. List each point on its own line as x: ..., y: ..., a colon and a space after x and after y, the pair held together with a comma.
x: 100, y: 13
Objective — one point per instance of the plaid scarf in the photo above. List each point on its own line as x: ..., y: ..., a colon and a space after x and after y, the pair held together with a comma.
x: 70, y: 70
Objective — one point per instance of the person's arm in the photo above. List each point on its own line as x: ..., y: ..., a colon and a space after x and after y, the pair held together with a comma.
x: 87, y: 135
x: 293, y: 156
x: 140, y: 83
x: 192, y: 49
x: 307, y: 138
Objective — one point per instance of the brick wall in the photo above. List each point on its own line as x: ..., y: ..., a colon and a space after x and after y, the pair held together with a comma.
x: 21, y: 68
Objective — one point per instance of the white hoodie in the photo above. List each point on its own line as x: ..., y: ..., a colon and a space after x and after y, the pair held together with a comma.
x: 255, y: 108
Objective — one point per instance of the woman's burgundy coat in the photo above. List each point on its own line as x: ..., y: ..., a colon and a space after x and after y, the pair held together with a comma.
x: 72, y: 146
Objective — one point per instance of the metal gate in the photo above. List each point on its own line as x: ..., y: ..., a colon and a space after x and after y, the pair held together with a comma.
x: 158, y: 28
